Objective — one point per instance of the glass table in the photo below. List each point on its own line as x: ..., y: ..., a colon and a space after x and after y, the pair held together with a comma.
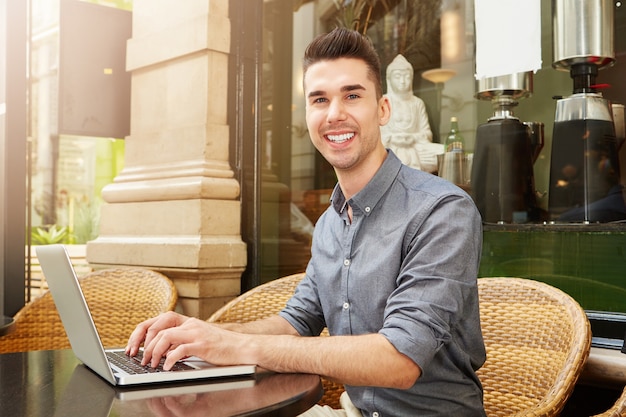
x: 55, y: 383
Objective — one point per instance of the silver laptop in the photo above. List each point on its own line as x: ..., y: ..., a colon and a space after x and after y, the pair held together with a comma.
x: 85, y: 341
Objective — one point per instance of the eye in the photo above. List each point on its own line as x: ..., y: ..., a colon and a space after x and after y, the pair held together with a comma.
x: 320, y: 100
x: 352, y: 96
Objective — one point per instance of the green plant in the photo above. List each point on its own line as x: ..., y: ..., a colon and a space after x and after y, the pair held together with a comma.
x: 87, y: 220
x: 356, y: 14
x: 407, y: 27
x: 42, y: 235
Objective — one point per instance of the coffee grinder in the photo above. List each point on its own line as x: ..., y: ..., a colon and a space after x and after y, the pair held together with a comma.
x: 503, y: 185
x: 584, y: 171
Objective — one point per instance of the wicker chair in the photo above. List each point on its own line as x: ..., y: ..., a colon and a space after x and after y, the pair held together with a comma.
x: 618, y: 409
x: 538, y: 339
x: 267, y: 300
x: 118, y: 299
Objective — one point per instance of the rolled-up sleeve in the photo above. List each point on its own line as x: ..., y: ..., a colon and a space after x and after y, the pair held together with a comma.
x: 436, y: 286
x: 303, y: 311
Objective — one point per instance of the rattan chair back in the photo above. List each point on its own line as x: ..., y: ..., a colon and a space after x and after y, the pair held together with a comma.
x: 264, y: 301
x: 259, y: 302
x: 537, y: 339
x: 118, y: 299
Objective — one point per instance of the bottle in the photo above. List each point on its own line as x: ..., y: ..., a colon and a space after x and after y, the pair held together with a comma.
x: 454, y: 141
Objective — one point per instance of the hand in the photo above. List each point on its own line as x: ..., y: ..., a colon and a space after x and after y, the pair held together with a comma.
x: 147, y: 330
x: 193, y: 337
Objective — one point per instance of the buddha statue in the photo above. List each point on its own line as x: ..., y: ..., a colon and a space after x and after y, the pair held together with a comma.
x: 408, y: 132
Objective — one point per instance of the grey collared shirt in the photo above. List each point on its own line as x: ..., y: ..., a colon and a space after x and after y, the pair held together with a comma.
x: 405, y: 267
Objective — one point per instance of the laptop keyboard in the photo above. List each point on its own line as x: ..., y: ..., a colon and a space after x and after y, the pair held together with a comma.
x: 132, y: 364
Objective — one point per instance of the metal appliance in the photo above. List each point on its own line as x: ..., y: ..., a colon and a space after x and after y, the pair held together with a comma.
x: 584, y: 171
x: 502, y: 179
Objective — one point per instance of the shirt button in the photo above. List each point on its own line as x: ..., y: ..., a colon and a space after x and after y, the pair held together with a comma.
x: 375, y: 414
x: 346, y: 305
x: 368, y: 209
x: 346, y: 262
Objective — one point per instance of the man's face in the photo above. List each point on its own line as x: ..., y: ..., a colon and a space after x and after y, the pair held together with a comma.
x: 343, y: 113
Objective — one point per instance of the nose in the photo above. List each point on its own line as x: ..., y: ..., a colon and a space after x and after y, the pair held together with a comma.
x: 336, y: 111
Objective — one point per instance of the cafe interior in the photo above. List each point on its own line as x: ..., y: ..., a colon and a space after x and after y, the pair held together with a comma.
x: 170, y: 137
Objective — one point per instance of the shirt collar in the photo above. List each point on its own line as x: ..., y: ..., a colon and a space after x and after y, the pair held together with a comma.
x: 365, y: 200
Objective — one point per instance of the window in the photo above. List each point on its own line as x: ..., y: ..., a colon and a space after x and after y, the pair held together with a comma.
x: 433, y: 35
x: 79, y: 98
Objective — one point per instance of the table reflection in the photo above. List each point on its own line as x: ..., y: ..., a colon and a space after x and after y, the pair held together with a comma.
x: 55, y: 383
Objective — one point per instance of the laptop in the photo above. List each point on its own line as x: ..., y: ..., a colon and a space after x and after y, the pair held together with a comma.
x: 87, y: 346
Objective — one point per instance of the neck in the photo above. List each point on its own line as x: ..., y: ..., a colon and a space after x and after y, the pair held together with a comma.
x: 354, y: 180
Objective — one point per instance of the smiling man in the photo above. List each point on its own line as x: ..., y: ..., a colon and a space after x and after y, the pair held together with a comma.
x: 392, y: 273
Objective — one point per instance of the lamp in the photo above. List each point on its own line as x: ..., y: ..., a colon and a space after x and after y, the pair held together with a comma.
x: 438, y: 75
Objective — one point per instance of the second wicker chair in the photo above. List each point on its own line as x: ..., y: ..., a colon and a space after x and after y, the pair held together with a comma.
x: 118, y: 299
x: 538, y: 339
x: 267, y: 300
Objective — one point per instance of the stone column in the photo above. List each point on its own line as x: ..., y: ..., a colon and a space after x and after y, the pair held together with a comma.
x: 175, y: 206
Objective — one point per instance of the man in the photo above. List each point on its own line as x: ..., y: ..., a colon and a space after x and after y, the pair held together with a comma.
x: 392, y: 272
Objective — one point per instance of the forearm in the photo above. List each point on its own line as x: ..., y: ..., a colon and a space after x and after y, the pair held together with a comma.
x: 354, y: 360
x: 274, y: 325
x: 274, y: 344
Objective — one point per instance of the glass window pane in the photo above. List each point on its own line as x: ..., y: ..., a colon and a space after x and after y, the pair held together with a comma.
x: 67, y: 172
x: 437, y: 37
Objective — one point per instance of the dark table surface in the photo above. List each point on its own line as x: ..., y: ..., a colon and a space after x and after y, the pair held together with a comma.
x: 55, y: 383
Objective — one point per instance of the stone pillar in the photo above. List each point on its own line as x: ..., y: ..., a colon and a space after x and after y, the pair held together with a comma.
x: 175, y: 207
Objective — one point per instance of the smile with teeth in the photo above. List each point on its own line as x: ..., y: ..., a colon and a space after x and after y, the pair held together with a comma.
x: 340, y: 138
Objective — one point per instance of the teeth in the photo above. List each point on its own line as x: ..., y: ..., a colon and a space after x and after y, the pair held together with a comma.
x: 340, y: 138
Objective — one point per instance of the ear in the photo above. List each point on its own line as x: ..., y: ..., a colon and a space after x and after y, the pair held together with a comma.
x: 384, y: 110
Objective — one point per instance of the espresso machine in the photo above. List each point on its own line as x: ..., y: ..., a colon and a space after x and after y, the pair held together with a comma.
x: 584, y: 172
x: 503, y: 186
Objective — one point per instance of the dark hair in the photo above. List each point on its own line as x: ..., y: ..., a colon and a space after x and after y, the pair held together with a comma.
x: 344, y: 43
